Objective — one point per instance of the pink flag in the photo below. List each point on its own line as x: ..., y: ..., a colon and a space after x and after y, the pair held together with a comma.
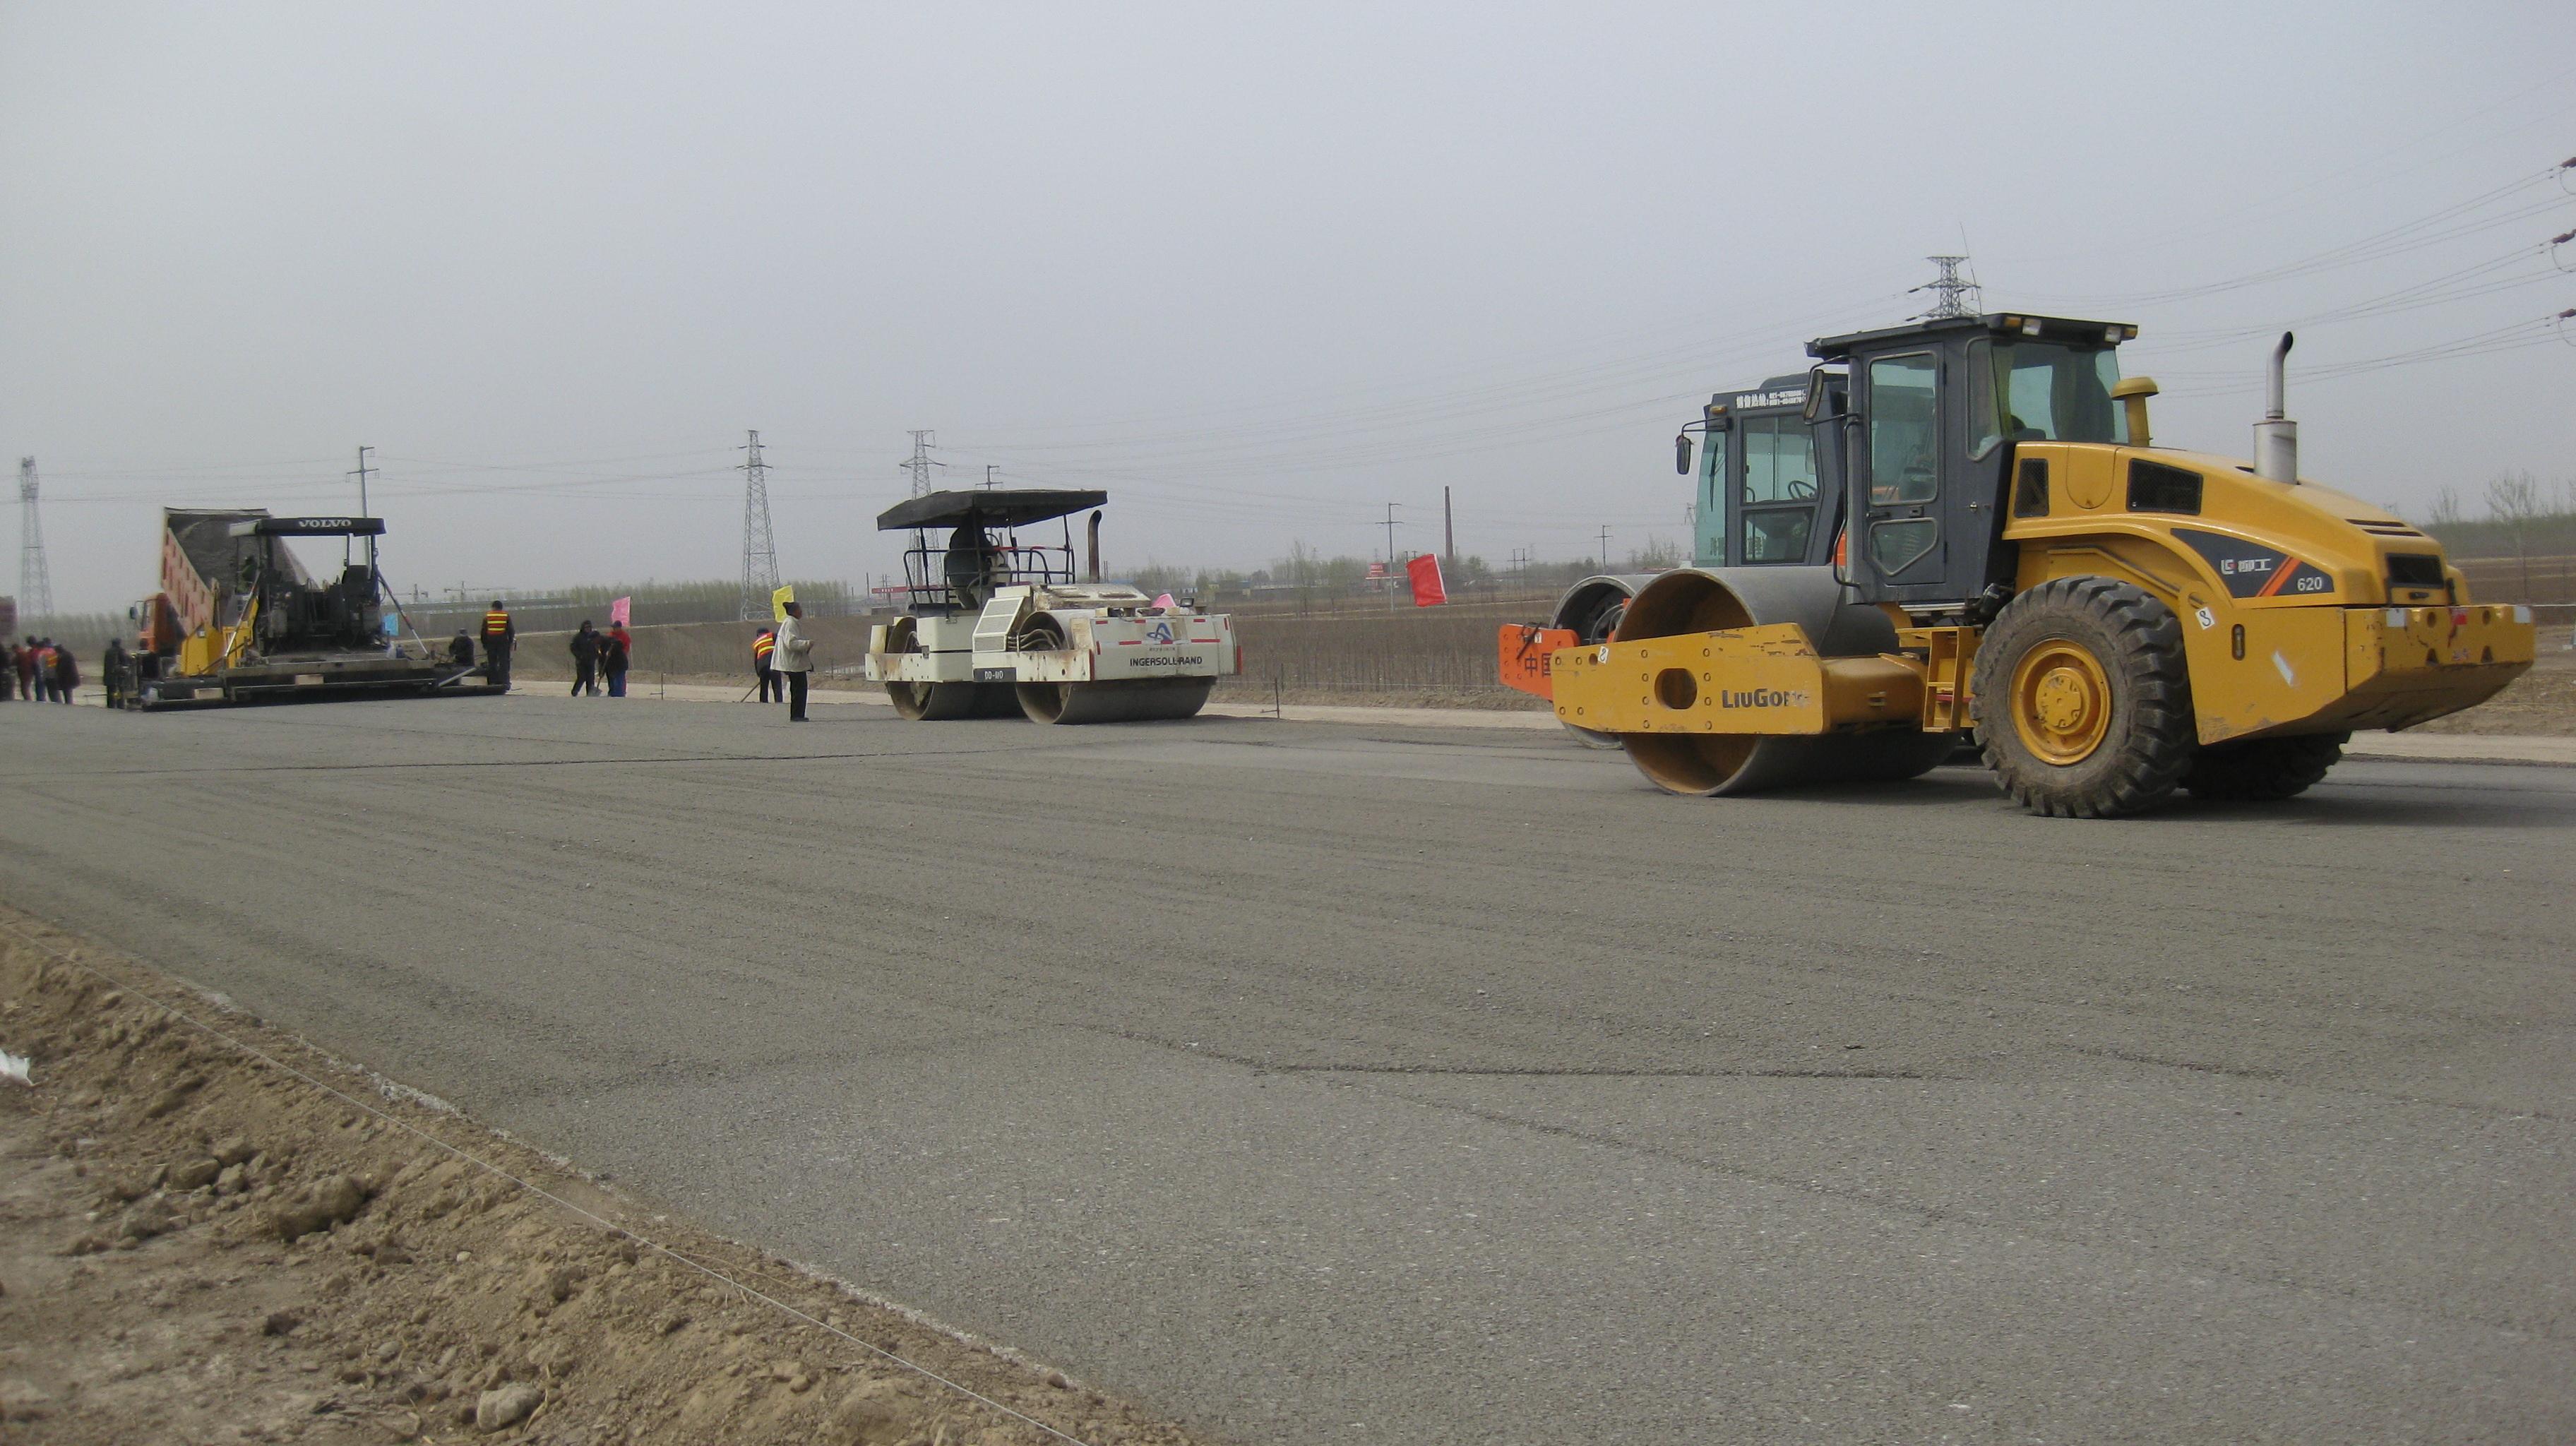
x: 621, y: 613
x: 1425, y: 574
x: 1163, y: 600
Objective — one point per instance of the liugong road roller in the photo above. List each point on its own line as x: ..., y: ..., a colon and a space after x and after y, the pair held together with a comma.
x: 2115, y: 619
x: 994, y: 626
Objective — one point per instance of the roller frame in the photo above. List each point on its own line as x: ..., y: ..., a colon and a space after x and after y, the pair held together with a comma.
x: 1797, y: 612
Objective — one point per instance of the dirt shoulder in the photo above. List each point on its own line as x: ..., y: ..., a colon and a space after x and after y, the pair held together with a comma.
x: 208, y: 1241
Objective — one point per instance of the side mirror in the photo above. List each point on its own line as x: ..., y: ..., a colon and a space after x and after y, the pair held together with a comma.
x: 1821, y: 401
x: 1682, y: 453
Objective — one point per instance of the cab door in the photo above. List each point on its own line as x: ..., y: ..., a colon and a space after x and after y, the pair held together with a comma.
x: 1928, y: 518
x: 1900, y: 548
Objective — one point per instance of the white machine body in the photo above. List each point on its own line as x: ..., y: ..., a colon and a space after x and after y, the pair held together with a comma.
x: 1080, y: 633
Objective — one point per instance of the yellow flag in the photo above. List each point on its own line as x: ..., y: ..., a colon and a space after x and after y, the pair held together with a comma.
x: 778, y: 602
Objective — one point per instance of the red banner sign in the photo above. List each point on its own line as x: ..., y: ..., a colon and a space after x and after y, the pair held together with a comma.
x: 1425, y: 573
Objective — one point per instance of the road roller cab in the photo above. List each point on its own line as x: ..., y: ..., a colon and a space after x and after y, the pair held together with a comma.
x: 2117, y: 620
x: 1763, y: 500
x: 998, y: 626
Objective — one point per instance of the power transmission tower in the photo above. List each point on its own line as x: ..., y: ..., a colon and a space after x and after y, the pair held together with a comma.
x: 35, y: 580
x: 1952, y: 294
x: 759, y: 546
x: 921, y: 463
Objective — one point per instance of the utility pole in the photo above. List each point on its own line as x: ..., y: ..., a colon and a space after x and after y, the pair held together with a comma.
x: 759, y: 545
x: 989, y: 469
x: 921, y: 462
x: 1448, y: 532
x: 1605, y: 547
x: 1952, y: 294
x: 35, y: 580
x: 347, y: 544
x: 1390, y: 555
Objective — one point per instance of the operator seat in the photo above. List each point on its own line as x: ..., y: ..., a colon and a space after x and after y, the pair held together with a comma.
x: 973, y: 567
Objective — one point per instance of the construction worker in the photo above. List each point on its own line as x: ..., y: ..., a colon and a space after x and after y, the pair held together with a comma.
x: 762, y: 647
x: 111, y: 671
x: 460, y: 650
x: 66, y: 673
x: 585, y: 660
x: 616, y: 651
x: 498, y: 635
x: 794, y: 658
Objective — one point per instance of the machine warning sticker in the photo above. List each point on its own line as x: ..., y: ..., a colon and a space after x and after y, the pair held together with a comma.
x: 2252, y: 570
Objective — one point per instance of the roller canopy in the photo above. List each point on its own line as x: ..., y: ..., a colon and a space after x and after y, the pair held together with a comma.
x: 991, y: 507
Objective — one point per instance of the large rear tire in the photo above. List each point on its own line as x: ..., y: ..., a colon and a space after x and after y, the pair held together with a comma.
x: 2266, y: 770
x: 2084, y: 699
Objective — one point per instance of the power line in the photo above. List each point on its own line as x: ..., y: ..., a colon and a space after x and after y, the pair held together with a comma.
x: 35, y: 579
x: 759, y: 546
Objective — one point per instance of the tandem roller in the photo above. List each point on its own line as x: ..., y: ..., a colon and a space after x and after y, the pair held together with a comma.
x: 996, y: 627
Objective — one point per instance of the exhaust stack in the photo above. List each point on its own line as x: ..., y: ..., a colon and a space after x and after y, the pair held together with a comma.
x: 1093, y: 558
x: 2276, y: 437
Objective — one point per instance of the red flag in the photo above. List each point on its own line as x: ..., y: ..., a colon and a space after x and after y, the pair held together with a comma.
x: 1425, y: 572
x: 621, y: 613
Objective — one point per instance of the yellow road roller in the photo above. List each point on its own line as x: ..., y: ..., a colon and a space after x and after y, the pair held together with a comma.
x: 2114, y: 620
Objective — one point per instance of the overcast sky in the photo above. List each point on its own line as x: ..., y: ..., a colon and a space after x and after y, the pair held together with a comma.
x: 1258, y: 270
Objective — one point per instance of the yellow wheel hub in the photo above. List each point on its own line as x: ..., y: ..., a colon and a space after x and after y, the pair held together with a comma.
x: 2061, y: 702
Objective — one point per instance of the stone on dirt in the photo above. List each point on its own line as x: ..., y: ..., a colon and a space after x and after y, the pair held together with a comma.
x: 147, y: 1218
x: 192, y: 1174
x: 326, y: 1203
x: 872, y: 1415
x: 497, y: 1410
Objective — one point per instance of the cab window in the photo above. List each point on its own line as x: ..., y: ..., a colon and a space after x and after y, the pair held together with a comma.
x: 1779, y: 460
x: 1902, y: 430
x: 2041, y: 391
x: 1778, y: 534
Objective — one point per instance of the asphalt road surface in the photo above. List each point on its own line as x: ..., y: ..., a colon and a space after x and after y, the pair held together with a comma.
x: 1324, y: 1083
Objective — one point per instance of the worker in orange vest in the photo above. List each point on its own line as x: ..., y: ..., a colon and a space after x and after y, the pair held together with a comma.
x: 762, y: 649
x: 498, y: 635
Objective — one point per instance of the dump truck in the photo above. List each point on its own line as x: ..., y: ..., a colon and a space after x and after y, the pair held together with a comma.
x: 240, y: 619
x: 994, y: 626
x: 2116, y: 620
